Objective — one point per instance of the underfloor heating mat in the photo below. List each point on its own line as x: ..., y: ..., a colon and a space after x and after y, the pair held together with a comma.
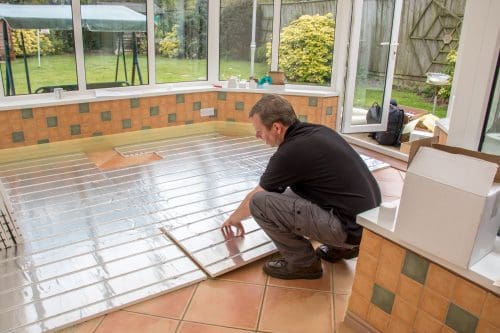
x: 94, y: 241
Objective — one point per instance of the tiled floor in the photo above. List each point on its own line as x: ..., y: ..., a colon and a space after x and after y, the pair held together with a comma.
x: 246, y: 300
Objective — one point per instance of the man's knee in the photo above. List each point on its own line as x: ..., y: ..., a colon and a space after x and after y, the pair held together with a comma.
x: 258, y: 204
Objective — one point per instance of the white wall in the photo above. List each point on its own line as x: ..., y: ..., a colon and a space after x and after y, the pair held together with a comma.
x: 474, y: 72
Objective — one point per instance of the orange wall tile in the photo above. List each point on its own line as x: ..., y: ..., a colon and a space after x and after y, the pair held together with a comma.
x: 416, y: 307
x: 35, y: 128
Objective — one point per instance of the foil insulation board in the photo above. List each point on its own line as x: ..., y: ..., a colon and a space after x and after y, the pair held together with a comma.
x: 95, y: 241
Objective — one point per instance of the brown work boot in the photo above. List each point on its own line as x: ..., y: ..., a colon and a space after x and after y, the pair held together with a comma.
x: 334, y: 254
x: 280, y: 268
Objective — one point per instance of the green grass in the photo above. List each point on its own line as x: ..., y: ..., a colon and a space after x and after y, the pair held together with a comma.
x: 404, y: 98
x: 61, y: 70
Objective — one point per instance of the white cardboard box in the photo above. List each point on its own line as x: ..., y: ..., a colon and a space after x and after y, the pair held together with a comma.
x: 449, y: 206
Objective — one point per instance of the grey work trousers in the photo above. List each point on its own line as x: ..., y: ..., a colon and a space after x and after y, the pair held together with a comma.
x: 287, y: 218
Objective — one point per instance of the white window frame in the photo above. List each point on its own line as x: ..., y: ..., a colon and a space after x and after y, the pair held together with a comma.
x: 474, y: 73
x: 338, y: 63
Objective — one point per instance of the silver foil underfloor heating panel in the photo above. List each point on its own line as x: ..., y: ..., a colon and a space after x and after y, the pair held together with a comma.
x: 94, y: 241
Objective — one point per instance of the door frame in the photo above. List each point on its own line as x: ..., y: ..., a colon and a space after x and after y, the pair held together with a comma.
x: 356, y: 19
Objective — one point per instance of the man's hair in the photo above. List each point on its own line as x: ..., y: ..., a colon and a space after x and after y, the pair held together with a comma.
x: 273, y: 108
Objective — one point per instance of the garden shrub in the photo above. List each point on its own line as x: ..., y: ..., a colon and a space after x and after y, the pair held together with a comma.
x: 62, y: 41
x: 169, y: 45
x: 30, y: 43
x: 306, y: 49
x: 451, y: 59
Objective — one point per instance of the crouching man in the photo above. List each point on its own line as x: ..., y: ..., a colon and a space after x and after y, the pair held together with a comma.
x: 312, y: 189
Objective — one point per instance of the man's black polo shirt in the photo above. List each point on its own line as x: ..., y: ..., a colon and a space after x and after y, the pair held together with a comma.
x: 320, y: 166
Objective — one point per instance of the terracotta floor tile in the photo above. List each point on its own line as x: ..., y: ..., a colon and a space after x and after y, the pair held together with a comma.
x: 343, y: 276
x: 188, y: 327
x: 340, y: 302
x: 110, y: 159
x: 125, y: 322
x: 170, y: 305
x: 85, y: 327
x: 323, y: 284
x: 291, y: 310
x: 346, y: 328
x: 251, y: 273
x: 226, y: 303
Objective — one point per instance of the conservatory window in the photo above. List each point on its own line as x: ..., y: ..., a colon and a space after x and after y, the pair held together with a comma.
x: 306, y: 41
x: 114, y: 43
x: 36, y: 47
x: 239, y: 38
x: 181, y: 40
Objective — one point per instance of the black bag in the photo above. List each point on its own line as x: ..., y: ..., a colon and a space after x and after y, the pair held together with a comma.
x: 373, y: 114
x: 392, y: 136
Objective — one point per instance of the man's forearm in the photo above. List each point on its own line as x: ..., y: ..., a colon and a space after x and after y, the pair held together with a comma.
x: 243, y: 210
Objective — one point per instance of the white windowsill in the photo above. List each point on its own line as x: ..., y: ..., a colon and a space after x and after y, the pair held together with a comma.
x: 99, y: 95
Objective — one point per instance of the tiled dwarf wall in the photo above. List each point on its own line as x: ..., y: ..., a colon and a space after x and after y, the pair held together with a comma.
x: 396, y: 290
x: 48, y: 124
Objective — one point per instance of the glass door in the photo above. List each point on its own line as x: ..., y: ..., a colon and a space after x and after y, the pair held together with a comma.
x: 370, y: 69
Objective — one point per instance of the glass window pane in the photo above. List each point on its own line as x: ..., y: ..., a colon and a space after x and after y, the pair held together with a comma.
x: 36, y: 47
x: 306, y: 41
x: 114, y: 43
x: 373, y: 60
x: 181, y: 38
x: 235, y: 38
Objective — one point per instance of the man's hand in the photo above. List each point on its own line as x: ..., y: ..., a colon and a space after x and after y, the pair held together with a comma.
x: 227, y: 230
x: 241, y: 213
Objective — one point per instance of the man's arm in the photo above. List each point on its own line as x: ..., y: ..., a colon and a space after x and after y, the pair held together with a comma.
x: 241, y: 213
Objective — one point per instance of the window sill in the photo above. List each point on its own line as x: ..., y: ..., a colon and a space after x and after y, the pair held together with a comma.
x: 98, y: 95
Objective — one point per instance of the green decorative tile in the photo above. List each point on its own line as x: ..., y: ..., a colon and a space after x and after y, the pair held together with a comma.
x: 303, y: 118
x: 97, y: 134
x: 461, y: 320
x: 52, y: 121
x: 313, y: 101
x: 415, y: 267
x: 126, y: 123
x: 154, y: 111
x: 221, y: 95
x: 17, y: 136
x: 382, y: 298
x: 42, y: 141
x: 329, y: 110
x: 231, y: 120
x: 76, y: 130
x: 179, y: 98
x: 196, y: 106
x: 134, y: 103
x: 106, y: 116
x: 83, y: 108
x: 172, y: 117
x: 27, y: 113
x: 146, y: 127
x: 189, y: 122
x: 239, y: 106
